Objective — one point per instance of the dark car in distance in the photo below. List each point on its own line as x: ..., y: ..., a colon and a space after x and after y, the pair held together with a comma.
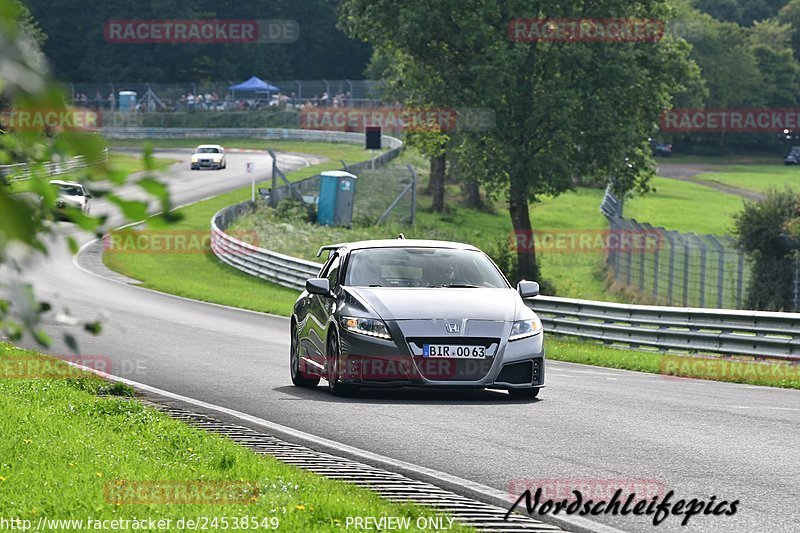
x: 792, y: 157
x: 660, y: 149
x: 415, y: 313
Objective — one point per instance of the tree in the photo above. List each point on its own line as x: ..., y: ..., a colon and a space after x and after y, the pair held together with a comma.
x: 26, y: 227
x: 768, y: 233
x: 562, y: 109
x: 321, y: 51
x: 790, y: 14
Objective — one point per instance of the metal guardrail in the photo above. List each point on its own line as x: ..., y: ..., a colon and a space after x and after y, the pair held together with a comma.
x: 278, y: 268
x: 254, y: 133
x: 23, y: 171
x: 762, y: 335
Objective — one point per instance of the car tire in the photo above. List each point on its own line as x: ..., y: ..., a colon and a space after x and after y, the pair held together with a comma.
x: 335, y: 387
x: 294, y: 364
x: 523, y: 394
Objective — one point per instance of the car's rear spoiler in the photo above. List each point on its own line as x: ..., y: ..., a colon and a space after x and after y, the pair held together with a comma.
x: 329, y: 247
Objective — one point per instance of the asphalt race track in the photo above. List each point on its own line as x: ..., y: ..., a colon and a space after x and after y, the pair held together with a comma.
x: 697, y: 438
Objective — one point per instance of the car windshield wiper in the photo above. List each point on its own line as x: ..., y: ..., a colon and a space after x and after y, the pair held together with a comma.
x: 456, y: 286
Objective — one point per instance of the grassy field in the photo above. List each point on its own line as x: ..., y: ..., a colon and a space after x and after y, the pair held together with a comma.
x: 759, y: 178
x: 684, y: 206
x: 122, y: 163
x: 735, y: 159
x: 75, y: 446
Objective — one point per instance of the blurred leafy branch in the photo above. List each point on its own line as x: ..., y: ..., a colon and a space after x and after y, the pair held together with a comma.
x: 28, y: 228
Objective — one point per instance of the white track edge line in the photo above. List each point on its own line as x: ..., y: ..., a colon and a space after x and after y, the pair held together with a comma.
x: 350, y: 450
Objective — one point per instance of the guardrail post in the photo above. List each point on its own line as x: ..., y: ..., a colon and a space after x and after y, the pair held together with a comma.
x: 641, y: 252
x: 702, y: 246
x: 721, y: 269
x: 414, y: 197
x: 740, y: 281
x: 272, y: 198
x: 686, y: 248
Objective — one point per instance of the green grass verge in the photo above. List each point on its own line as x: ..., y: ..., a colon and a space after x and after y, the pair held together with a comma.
x: 734, y: 159
x: 711, y: 368
x: 684, y: 206
x: 127, y: 164
x: 72, y: 451
x: 758, y: 178
x: 130, y: 164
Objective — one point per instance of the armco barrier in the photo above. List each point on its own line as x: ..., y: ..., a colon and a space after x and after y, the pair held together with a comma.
x: 22, y: 171
x: 241, y: 133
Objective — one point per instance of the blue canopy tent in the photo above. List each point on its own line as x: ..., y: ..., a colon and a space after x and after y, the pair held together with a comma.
x: 254, y: 85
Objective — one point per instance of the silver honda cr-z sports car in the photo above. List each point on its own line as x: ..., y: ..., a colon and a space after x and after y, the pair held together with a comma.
x: 418, y: 313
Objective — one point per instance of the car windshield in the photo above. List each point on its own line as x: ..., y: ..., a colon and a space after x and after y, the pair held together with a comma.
x: 207, y: 150
x: 422, y: 267
x: 71, y: 190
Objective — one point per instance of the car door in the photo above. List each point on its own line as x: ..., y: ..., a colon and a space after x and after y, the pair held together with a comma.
x: 321, y: 309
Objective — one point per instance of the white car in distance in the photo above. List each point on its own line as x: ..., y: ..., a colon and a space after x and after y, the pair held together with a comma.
x: 71, y: 194
x: 208, y: 156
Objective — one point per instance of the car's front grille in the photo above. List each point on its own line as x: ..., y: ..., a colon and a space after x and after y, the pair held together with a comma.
x: 453, y: 368
x: 466, y: 341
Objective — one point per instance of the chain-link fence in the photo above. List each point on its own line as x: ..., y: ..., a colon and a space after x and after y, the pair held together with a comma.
x: 674, y: 268
x: 218, y: 96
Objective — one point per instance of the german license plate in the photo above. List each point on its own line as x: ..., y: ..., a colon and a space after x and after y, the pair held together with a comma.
x: 452, y: 350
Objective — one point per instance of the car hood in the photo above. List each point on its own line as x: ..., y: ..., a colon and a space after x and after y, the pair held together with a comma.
x: 72, y: 200
x: 411, y: 303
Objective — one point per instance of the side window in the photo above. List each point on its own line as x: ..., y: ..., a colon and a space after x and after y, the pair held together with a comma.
x: 332, y: 272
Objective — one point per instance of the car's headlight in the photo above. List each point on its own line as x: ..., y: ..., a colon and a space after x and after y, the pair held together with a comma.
x: 374, y: 327
x: 217, y: 159
x: 525, y: 328
x: 194, y: 159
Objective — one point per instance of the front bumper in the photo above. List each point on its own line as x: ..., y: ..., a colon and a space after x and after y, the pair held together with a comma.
x: 206, y: 163
x: 372, y: 362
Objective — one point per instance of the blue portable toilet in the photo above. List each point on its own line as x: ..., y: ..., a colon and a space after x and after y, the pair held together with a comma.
x: 337, y: 191
x: 127, y: 100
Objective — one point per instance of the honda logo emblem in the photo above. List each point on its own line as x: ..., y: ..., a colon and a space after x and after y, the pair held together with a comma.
x: 452, y: 327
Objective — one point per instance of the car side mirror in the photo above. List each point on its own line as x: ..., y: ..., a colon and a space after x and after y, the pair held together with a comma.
x: 319, y: 286
x: 528, y: 289
x: 88, y: 196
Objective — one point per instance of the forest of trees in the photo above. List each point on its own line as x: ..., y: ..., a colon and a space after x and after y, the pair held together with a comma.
x: 78, y: 51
